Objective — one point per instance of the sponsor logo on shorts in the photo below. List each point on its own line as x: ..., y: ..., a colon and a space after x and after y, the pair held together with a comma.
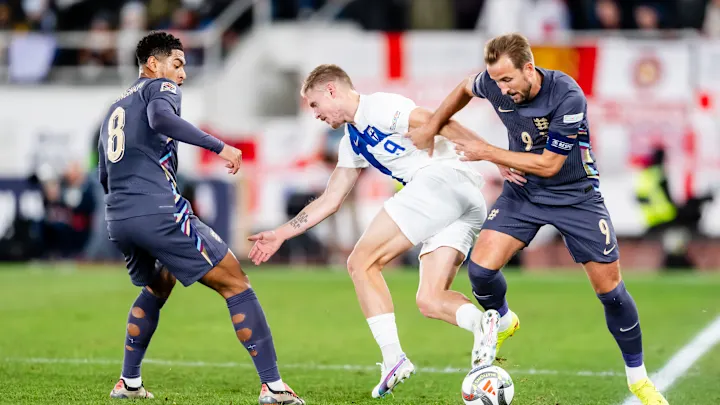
x: 493, y: 214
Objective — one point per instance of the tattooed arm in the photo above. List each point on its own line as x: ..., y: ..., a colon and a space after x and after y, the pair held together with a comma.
x: 341, y: 182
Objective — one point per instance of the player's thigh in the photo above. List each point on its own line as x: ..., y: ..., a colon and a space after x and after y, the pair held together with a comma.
x: 142, y: 266
x: 438, y: 269
x: 429, y: 203
x: 512, y: 222
x: 381, y: 242
x: 587, y: 230
x: 187, y: 247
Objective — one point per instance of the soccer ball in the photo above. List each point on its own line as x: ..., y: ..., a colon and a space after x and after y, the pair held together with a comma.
x: 488, y: 385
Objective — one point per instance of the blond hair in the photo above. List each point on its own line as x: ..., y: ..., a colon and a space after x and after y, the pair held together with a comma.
x: 515, y: 46
x: 325, y: 74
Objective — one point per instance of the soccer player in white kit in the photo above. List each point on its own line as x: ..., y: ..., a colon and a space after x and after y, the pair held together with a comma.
x: 440, y: 206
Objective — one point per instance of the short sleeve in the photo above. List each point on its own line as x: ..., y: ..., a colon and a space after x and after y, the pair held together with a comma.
x: 165, y: 90
x: 390, y: 113
x: 569, y: 116
x: 347, y: 157
x: 478, y: 87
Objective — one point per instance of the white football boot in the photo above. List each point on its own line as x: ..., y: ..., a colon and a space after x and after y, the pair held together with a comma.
x: 486, y: 339
x: 391, y: 377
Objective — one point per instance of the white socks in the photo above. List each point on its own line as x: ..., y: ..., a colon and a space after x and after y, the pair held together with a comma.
x: 635, y: 374
x: 132, y: 382
x: 505, y: 321
x: 467, y: 315
x: 385, y: 333
x: 278, y: 385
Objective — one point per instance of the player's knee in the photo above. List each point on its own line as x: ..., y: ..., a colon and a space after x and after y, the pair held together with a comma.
x: 357, y: 264
x: 163, y: 285
x: 427, y: 304
x: 604, y: 277
x: 236, y: 283
x: 480, y: 275
x: 227, y: 278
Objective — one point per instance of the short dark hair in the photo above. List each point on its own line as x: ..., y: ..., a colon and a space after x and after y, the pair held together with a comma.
x: 155, y: 44
x: 515, y: 46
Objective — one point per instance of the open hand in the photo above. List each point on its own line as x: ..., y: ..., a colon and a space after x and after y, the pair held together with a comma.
x: 266, y: 244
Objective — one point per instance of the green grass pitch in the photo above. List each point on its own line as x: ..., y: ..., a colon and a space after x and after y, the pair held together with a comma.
x: 63, y: 331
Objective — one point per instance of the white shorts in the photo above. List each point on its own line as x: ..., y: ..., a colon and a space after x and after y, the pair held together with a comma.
x: 440, y: 206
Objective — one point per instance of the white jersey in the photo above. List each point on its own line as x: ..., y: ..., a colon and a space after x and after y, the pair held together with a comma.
x: 376, y: 138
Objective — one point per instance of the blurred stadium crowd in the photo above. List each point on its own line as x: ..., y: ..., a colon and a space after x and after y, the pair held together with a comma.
x: 113, y: 26
x: 72, y: 225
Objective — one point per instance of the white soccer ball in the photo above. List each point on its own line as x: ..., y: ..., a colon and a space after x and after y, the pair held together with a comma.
x: 488, y: 385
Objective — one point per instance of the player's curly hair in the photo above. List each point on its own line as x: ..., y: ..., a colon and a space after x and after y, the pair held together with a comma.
x: 156, y: 43
x: 515, y: 46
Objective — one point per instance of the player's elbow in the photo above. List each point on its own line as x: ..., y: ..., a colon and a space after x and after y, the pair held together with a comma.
x: 466, y: 87
x: 335, y: 205
x: 155, y: 121
x: 421, y: 116
x: 549, y: 171
x: 330, y: 202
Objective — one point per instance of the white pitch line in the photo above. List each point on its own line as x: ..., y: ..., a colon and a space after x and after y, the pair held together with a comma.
x: 680, y: 363
x: 307, y: 366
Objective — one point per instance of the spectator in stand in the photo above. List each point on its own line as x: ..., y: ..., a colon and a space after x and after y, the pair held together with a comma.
x: 538, y: 20
x: 99, y: 51
x: 711, y: 25
x: 607, y: 15
x: 69, y: 208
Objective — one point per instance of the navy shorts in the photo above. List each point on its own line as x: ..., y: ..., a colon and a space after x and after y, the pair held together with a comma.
x: 189, y: 248
x: 585, y: 227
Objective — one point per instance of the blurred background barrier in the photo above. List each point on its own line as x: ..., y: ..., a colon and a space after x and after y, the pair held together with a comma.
x: 648, y: 68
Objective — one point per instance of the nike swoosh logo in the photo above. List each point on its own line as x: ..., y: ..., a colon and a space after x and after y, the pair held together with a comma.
x: 481, y: 296
x: 630, y: 328
x: 504, y: 111
x: 607, y: 252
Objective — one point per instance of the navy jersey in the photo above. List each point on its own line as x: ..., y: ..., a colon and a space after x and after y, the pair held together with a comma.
x: 138, y: 163
x: 559, y: 107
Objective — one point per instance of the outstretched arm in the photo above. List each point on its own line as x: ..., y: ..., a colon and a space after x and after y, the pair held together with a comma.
x: 456, y: 132
x: 452, y: 130
x: 162, y: 118
x: 423, y: 136
x: 566, y: 122
x: 546, y: 164
x: 454, y: 102
x: 267, y: 243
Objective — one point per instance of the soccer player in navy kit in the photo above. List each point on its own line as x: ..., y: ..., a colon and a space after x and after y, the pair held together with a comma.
x: 545, y: 113
x: 154, y: 226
